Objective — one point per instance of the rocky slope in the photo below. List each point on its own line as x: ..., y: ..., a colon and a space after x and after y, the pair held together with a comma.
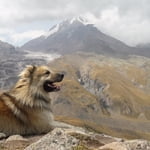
x: 143, y: 48
x: 7, y: 50
x: 105, y: 94
x: 6, y: 47
x: 11, y: 67
x: 72, y: 139
x: 12, y: 61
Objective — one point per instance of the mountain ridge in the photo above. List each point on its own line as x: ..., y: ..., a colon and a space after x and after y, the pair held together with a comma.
x: 6, y: 47
x: 77, y: 34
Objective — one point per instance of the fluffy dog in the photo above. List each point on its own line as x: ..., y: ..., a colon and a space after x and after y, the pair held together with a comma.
x: 26, y: 108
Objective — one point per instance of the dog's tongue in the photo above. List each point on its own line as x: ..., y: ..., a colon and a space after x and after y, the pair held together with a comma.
x: 52, y: 85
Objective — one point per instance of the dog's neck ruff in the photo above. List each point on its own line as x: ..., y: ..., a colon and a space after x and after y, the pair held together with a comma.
x: 28, y: 96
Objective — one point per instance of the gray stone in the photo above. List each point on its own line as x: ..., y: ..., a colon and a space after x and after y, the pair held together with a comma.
x: 16, y: 138
x: 58, y: 139
x: 2, y: 135
x: 128, y: 145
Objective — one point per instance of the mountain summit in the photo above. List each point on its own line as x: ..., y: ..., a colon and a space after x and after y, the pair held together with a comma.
x: 77, y: 34
x: 80, y: 19
x: 76, y: 21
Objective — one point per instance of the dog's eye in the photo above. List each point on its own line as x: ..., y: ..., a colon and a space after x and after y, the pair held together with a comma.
x: 47, y: 72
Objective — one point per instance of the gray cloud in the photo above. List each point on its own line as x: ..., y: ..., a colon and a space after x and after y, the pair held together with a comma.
x: 41, y: 9
x: 128, y: 20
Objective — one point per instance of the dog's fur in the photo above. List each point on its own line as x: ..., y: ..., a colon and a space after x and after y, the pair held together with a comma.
x: 26, y: 109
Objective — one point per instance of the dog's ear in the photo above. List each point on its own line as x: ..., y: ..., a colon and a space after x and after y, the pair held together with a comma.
x: 28, y: 71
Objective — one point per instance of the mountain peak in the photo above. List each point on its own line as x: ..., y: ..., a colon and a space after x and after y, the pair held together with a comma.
x: 68, y: 22
x: 79, y: 19
x: 78, y: 34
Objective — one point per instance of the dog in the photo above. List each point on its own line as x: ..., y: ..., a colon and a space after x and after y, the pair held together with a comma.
x: 26, y: 108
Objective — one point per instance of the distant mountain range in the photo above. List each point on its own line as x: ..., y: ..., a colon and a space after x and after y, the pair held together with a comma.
x: 6, y: 48
x: 145, y: 46
x: 74, y: 35
x: 79, y: 35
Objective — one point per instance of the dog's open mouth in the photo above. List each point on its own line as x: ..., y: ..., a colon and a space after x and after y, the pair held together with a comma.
x: 51, y: 87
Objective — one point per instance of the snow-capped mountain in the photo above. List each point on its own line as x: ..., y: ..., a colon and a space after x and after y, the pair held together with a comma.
x: 77, y: 34
x: 60, y: 26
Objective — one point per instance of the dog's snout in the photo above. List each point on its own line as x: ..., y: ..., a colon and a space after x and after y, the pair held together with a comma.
x: 59, y: 77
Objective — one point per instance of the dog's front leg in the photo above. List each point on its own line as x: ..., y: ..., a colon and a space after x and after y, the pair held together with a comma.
x: 57, y: 124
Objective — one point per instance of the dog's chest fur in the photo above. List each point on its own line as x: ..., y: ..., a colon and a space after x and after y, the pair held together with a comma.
x: 18, y: 119
x: 41, y: 120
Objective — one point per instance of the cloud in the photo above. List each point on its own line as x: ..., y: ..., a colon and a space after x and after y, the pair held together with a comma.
x: 25, y: 36
x: 23, y: 10
x: 128, y: 28
x: 127, y: 20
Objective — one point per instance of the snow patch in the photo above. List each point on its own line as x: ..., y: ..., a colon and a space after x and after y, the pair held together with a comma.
x: 80, y: 19
x: 65, y: 23
x: 52, y: 31
x: 40, y: 55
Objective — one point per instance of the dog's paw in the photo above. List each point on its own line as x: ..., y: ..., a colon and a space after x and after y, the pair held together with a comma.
x: 2, y: 135
x: 57, y: 124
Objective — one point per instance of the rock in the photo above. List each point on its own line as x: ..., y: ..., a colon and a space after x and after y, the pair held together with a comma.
x: 138, y: 144
x: 17, y: 142
x: 68, y: 139
x: 58, y: 139
x: 2, y: 135
x: 16, y: 138
x: 127, y: 145
x: 78, y: 138
x: 74, y: 138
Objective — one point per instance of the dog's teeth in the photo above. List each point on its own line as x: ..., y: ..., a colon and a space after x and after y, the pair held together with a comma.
x: 53, y: 86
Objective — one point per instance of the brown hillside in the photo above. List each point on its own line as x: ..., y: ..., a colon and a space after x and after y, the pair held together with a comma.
x: 106, y: 94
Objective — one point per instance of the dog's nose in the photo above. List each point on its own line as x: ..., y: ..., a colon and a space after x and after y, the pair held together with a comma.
x: 61, y: 76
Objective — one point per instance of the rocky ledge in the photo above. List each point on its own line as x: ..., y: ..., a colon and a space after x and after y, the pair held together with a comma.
x: 72, y: 139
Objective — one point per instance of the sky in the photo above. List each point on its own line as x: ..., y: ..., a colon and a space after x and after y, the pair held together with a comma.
x: 126, y: 20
